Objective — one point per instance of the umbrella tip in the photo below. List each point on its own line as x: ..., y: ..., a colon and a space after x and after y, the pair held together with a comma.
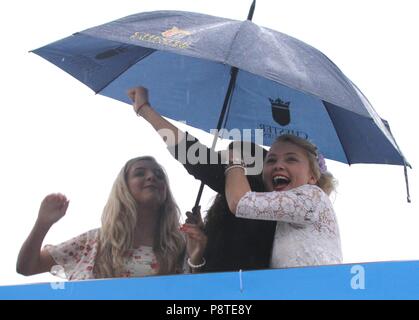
x: 251, y: 11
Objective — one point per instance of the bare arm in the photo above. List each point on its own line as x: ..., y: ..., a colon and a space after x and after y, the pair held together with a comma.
x: 303, y: 205
x: 236, y: 187
x: 196, y: 240
x: 32, y: 260
x: 168, y: 132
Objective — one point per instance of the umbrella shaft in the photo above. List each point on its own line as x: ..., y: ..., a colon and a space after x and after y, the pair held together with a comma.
x: 221, y: 120
x: 226, y: 103
x: 227, y: 98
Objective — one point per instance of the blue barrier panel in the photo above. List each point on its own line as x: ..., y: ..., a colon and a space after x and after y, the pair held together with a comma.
x: 377, y: 280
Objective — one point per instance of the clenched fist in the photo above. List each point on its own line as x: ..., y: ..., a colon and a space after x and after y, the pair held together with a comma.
x: 53, y: 208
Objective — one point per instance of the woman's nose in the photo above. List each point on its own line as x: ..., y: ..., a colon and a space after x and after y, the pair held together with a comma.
x: 150, y: 176
x: 279, y: 165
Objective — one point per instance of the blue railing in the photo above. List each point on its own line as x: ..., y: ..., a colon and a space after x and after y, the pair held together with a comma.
x: 376, y: 280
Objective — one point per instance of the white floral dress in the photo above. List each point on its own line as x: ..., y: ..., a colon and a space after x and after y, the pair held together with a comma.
x: 306, y: 233
x: 75, y: 258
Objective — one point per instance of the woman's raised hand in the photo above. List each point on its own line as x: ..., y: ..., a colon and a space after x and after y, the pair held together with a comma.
x: 53, y: 208
x: 139, y: 97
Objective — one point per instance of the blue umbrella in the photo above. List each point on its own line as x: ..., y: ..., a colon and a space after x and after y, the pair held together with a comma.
x: 220, y: 73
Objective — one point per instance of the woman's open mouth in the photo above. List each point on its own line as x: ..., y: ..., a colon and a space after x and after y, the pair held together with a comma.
x: 279, y: 182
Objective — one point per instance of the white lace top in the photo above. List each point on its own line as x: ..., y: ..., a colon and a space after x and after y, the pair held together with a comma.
x: 306, y: 233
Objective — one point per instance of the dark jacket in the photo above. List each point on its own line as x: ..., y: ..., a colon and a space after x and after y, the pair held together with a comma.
x: 233, y: 243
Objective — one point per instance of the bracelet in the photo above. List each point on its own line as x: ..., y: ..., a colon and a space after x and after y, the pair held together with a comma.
x: 229, y: 167
x: 139, y: 108
x: 196, y: 265
x: 236, y: 160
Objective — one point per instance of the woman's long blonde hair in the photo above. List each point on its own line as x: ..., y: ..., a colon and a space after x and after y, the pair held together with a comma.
x: 119, y: 219
x: 325, y: 180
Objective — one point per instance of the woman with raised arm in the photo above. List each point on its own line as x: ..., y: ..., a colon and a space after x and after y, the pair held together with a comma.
x: 232, y: 243
x: 297, y: 199
x: 140, y: 233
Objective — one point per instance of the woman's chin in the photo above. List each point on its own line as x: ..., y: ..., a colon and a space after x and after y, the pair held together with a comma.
x: 151, y: 200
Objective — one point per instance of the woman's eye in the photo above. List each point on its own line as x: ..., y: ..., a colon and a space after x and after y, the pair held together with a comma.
x: 271, y: 160
x: 159, y: 174
x: 292, y: 159
x: 140, y: 173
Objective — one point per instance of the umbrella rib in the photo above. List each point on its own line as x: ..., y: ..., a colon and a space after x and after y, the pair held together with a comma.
x: 123, y: 70
x: 337, y: 134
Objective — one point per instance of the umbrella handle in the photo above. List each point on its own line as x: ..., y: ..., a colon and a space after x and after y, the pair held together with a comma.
x: 198, y: 198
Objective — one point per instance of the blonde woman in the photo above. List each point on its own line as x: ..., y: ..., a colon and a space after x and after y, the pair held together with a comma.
x: 140, y: 233
x: 298, y: 186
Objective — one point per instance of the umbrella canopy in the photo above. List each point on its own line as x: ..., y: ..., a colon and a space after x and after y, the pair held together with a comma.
x: 274, y: 82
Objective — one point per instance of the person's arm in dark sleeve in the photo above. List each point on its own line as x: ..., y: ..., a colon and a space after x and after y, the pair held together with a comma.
x: 200, y: 161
